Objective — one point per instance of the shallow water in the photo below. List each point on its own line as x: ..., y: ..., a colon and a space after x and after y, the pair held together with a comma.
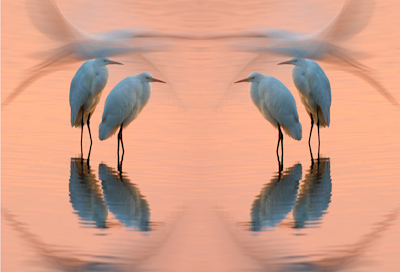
x: 199, y: 189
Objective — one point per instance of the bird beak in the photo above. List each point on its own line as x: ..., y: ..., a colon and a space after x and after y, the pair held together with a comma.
x: 157, y: 80
x: 115, y: 62
x: 242, y: 80
x: 285, y: 62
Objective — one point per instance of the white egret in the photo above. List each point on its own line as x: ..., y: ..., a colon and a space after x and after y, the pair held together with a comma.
x: 276, y: 104
x: 85, y: 92
x: 78, y: 45
x: 322, y: 44
x: 314, y: 90
x: 124, y: 103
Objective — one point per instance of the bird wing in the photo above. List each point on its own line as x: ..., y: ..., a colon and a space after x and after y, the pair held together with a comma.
x: 352, y: 19
x: 80, y: 89
x: 120, y: 103
x: 279, y: 103
x: 279, y: 100
x: 320, y: 89
x: 48, y: 19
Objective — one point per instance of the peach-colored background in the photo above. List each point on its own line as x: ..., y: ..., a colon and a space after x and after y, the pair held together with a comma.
x: 199, y: 168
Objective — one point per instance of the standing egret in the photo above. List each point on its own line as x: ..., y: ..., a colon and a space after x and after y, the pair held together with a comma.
x: 124, y: 103
x: 85, y: 92
x: 314, y: 90
x: 276, y: 104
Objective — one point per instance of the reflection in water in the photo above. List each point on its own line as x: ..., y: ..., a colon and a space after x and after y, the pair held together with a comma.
x: 57, y: 257
x: 276, y: 199
x: 124, y: 199
x: 337, y: 259
x: 314, y: 194
x: 62, y: 258
x: 86, y: 195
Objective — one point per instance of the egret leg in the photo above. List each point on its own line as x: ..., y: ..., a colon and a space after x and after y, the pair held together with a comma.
x: 318, y: 134
x: 82, y: 124
x: 312, y: 125
x: 90, y: 135
x: 280, y: 139
x: 122, y: 145
x: 281, y: 149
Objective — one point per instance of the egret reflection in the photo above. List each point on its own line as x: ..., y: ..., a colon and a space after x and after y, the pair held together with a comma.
x: 86, y: 195
x: 124, y: 199
x: 276, y: 199
x: 314, y: 194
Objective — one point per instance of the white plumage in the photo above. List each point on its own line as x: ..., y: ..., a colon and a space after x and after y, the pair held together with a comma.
x: 124, y: 103
x: 314, y: 90
x: 276, y: 104
x: 86, y: 88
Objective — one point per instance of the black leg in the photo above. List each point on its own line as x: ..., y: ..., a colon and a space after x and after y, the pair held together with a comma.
x: 281, y: 144
x: 88, y: 125
x: 318, y: 133
x: 280, y: 139
x: 82, y: 124
x: 281, y: 149
x: 312, y: 125
x: 122, y: 145
x: 90, y: 135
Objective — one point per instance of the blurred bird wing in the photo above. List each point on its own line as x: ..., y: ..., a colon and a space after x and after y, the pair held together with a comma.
x: 81, y: 86
x: 48, y: 19
x: 351, y: 20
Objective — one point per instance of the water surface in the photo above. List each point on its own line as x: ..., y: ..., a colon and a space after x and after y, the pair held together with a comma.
x: 200, y: 188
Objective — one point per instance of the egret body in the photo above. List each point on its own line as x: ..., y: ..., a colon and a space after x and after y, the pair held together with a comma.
x: 314, y: 90
x: 85, y: 92
x: 124, y: 103
x: 276, y: 104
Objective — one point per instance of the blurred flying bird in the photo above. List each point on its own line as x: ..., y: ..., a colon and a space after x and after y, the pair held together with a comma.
x: 322, y: 44
x: 78, y: 45
x: 314, y: 90
x: 123, y: 104
x: 85, y: 92
x: 276, y: 104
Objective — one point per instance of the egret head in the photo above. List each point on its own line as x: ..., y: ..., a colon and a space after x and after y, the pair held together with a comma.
x: 298, y: 61
x: 105, y: 61
x: 147, y: 77
x: 253, y: 77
